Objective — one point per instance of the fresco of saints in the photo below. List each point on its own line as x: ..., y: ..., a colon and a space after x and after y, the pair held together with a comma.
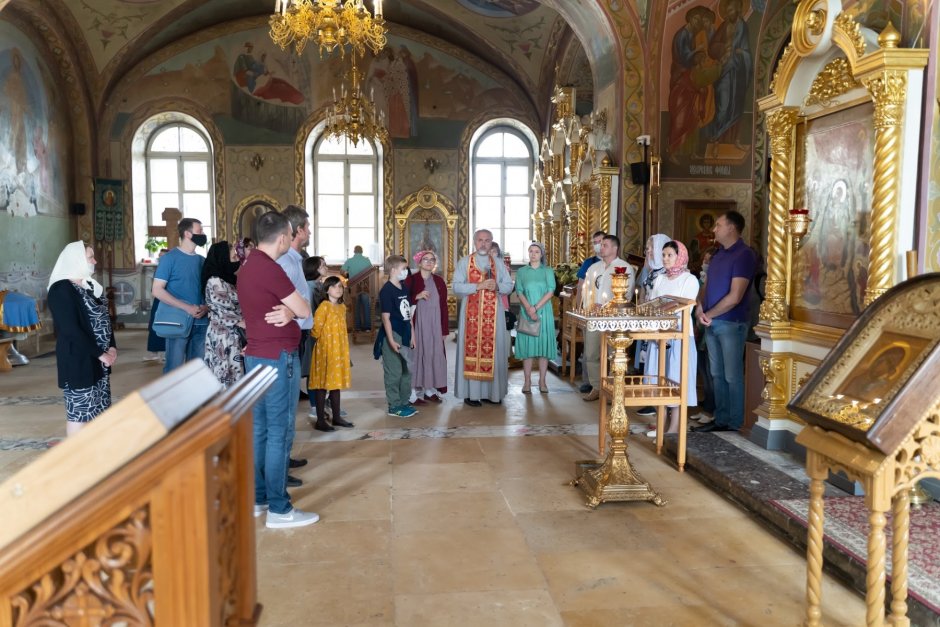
x: 253, y: 75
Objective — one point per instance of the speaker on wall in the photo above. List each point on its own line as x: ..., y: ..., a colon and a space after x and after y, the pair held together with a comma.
x: 77, y: 209
x: 640, y: 173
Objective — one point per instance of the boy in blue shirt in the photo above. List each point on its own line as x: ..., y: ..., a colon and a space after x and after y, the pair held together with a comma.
x: 395, y: 338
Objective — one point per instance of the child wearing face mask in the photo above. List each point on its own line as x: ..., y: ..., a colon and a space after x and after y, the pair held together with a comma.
x: 395, y: 339
x: 329, y: 365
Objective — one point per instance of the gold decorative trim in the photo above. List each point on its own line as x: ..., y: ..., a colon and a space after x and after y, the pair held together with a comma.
x: 429, y: 198
x: 243, y: 204
x: 846, y: 32
x: 889, y: 92
x: 781, y: 124
x: 834, y: 80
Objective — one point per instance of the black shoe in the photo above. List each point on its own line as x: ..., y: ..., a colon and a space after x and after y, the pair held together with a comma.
x: 711, y: 427
x: 646, y: 411
x: 293, y: 482
x: 472, y: 403
x: 303, y: 395
x: 339, y: 422
x: 323, y: 425
x: 296, y: 463
x: 586, y: 388
x: 489, y: 402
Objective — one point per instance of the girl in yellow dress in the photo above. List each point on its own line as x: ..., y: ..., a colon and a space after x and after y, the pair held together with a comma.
x: 329, y: 365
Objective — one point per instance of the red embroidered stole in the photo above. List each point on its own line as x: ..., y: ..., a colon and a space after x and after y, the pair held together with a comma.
x: 479, y: 349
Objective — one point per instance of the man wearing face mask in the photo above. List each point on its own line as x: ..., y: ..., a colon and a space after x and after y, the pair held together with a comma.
x: 482, y: 348
x: 178, y: 283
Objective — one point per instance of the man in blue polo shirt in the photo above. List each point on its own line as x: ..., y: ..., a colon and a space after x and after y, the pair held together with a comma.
x: 177, y: 283
x: 723, y: 311
x: 596, y: 239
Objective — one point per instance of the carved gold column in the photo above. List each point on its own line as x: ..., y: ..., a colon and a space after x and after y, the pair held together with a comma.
x: 781, y: 124
x: 888, y: 90
x: 604, y: 209
x: 451, y: 228
x: 401, y: 234
x: 584, y: 241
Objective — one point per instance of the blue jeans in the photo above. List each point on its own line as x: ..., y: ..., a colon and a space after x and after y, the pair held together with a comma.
x: 274, y: 430
x: 725, y: 342
x: 179, y: 350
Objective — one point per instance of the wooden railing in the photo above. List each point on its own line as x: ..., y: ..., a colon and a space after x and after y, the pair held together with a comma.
x: 144, y: 517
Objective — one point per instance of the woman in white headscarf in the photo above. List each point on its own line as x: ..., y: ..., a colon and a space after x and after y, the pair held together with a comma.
x: 85, y: 349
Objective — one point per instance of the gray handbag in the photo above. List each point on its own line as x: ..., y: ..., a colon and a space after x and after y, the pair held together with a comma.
x: 527, y: 326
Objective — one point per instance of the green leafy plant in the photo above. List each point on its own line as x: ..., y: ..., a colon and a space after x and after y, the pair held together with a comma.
x: 155, y: 244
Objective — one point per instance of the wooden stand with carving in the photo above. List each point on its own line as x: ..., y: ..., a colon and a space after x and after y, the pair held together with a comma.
x: 130, y: 522
x: 881, y: 428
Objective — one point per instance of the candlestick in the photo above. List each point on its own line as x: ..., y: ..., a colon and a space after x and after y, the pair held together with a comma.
x: 378, y: 8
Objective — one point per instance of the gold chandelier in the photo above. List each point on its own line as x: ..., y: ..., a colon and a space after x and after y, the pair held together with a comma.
x: 351, y: 115
x: 331, y: 23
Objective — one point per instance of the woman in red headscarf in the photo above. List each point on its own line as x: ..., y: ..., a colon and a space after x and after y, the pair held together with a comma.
x: 675, y: 281
x: 429, y: 293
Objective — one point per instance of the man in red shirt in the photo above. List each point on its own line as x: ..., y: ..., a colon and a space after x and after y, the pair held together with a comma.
x: 270, y: 303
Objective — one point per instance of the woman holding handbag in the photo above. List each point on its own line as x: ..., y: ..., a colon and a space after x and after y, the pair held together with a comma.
x: 535, y: 335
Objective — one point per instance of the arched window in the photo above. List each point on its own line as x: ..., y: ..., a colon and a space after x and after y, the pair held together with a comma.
x: 346, y: 186
x: 501, y: 175
x: 179, y: 174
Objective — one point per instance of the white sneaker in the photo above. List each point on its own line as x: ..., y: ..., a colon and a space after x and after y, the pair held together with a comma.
x: 413, y: 397
x: 293, y: 518
x: 151, y: 357
x: 260, y: 509
x: 312, y: 413
x: 703, y: 418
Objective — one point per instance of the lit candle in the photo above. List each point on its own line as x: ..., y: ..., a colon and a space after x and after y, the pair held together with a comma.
x: 277, y: 6
x: 334, y: 93
x: 636, y: 296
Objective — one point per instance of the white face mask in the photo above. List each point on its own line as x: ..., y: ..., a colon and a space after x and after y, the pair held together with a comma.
x: 402, y: 275
x: 91, y: 269
x: 704, y: 268
x: 597, y: 249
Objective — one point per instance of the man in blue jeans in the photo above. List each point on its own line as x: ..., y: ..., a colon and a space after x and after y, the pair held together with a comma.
x: 270, y: 303
x: 723, y: 311
x: 178, y: 283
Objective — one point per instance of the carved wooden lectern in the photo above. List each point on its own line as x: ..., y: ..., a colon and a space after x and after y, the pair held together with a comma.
x: 872, y: 409
x: 144, y: 517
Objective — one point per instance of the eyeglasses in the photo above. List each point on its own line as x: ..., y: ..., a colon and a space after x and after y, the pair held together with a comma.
x: 429, y: 260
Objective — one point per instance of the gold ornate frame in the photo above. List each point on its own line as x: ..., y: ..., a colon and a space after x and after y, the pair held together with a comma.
x: 829, y: 63
x: 243, y: 205
x: 427, y: 198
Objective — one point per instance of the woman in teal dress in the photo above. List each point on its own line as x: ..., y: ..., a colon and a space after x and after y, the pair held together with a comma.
x: 535, y: 286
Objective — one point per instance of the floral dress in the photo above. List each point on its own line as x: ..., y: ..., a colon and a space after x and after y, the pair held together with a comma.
x: 223, y: 352
x: 329, y: 366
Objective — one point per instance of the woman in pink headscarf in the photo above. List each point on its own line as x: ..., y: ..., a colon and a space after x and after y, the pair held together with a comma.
x: 675, y: 281
x: 429, y: 294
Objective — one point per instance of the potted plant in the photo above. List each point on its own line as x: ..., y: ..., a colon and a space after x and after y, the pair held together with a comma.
x: 154, y: 245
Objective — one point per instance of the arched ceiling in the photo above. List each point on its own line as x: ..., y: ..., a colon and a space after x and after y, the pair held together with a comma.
x: 523, y: 38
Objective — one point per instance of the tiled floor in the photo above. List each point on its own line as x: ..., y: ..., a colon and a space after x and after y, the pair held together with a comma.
x: 463, y: 516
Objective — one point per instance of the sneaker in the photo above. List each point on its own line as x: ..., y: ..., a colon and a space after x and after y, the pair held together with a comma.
x: 651, y: 433
x: 260, y: 510
x: 593, y: 395
x: 402, y: 412
x: 418, y: 402
x: 293, y: 518
x: 646, y: 411
x: 703, y: 418
x: 152, y: 356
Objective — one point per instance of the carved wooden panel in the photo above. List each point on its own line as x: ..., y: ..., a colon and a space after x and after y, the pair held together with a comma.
x: 110, y: 581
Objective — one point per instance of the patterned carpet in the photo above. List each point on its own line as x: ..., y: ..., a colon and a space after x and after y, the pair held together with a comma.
x: 846, y: 525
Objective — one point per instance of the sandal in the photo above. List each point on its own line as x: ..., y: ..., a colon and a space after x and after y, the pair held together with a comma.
x: 527, y: 389
x: 543, y: 388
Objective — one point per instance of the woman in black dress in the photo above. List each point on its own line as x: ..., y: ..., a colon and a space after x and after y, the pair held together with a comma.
x: 85, y: 349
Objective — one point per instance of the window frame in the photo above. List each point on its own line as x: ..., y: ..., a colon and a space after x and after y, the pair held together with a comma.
x: 347, y: 160
x: 182, y: 157
x: 517, y: 257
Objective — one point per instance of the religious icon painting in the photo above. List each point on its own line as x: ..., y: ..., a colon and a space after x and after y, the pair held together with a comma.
x: 109, y: 210
x: 877, y: 381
